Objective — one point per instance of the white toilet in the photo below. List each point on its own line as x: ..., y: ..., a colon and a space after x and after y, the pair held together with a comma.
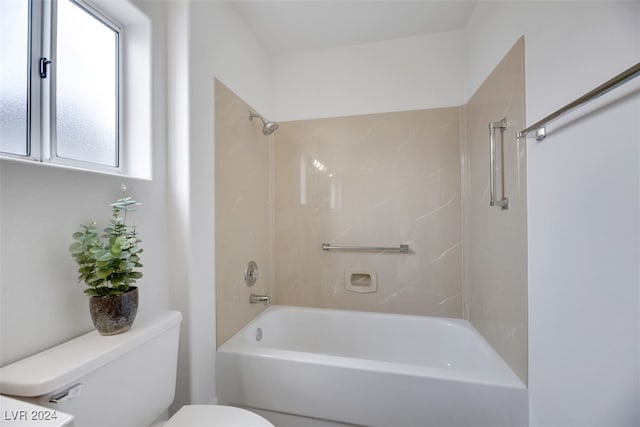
x: 125, y: 380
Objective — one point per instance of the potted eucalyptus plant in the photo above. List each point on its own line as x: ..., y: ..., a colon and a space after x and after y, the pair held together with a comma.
x: 108, y: 264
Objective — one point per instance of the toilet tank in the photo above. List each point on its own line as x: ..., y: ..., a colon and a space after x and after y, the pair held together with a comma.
x: 121, y: 380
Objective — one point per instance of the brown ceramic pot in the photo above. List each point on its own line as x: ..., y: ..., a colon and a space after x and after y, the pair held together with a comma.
x: 115, y: 314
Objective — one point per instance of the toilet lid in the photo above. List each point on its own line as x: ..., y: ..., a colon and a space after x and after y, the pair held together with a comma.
x: 215, y: 416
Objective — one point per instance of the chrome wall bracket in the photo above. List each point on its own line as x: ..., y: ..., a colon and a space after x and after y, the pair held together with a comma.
x: 541, y: 133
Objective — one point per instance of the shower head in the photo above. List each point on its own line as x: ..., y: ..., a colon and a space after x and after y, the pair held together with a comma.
x: 268, y: 127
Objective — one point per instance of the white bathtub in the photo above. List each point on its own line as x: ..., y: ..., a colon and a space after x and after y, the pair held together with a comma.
x: 369, y: 369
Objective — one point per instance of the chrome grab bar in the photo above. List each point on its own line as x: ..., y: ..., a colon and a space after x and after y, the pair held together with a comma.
x: 330, y: 247
x: 502, y: 125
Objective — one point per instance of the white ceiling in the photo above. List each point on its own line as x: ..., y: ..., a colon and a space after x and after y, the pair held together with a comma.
x: 295, y: 26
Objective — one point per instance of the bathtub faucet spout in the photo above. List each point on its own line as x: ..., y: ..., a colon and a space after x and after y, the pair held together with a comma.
x: 259, y: 299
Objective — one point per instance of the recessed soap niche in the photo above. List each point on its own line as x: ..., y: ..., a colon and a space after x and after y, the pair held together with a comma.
x: 362, y: 281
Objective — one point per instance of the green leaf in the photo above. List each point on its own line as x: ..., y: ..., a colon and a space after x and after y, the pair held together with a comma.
x: 103, y: 273
x: 117, y: 280
x: 94, y: 280
x: 106, y: 256
x: 96, y: 251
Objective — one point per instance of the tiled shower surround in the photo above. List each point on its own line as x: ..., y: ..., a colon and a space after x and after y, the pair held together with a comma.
x: 419, y: 178
x: 372, y: 180
x: 495, y: 240
x: 243, y: 196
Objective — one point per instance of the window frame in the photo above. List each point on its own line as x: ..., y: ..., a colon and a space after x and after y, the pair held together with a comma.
x: 40, y: 132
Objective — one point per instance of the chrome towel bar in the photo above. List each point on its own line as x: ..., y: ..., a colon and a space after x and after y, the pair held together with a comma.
x: 330, y: 247
x: 609, y: 85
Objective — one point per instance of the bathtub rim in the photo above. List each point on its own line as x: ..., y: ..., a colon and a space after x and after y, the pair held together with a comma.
x: 506, y: 378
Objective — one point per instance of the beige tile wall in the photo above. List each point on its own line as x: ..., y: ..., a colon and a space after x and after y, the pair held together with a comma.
x: 379, y: 180
x: 243, y: 210
x: 495, y: 240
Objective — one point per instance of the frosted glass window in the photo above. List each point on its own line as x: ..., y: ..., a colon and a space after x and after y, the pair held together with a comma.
x: 14, y: 66
x: 86, y: 87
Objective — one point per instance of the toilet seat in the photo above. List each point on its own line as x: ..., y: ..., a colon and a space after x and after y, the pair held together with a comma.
x: 215, y: 416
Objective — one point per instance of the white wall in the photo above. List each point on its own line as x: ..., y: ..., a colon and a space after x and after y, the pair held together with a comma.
x: 394, y: 75
x: 41, y: 206
x: 42, y: 304
x: 207, y: 40
x: 583, y: 204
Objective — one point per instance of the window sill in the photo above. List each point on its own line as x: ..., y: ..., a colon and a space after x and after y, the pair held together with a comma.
x: 14, y: 160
